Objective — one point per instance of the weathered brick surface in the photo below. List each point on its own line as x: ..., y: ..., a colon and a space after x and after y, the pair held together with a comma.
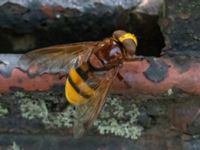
x: 170, y: 122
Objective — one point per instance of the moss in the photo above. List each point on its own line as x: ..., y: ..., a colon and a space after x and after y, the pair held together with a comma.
x: 3, y: 111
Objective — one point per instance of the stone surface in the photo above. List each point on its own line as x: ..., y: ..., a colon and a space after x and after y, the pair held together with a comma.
x: 181, y: 25
x: 26, y: 25
x: 169, y: 122
x: 161, y: 133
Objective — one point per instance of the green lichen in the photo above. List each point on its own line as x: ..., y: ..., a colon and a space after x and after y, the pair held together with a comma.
x: 37, y: 109
x: 15, y: 147
x: 170, y: 92
x: 19, y: 94
x: 3, y: 111
x: 60, y: 119
x: 31, y: 109
x: 119, y: 119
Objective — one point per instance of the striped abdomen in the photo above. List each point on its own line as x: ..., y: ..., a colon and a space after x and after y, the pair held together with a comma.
x: 80, y: 85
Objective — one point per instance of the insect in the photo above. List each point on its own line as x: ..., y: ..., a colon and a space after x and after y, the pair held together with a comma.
x: 91, y: 68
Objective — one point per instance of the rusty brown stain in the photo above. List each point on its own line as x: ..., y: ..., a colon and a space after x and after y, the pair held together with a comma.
x: 47, y: 10
x: 132, y: 73
x: 50, y: 11
x: 41, y: 83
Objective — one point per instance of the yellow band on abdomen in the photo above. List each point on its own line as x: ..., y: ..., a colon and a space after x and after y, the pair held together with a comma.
x: 80, y: 83
x: 72, y: 95
x: 77, y: 90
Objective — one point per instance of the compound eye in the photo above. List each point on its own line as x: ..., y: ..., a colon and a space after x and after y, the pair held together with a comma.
x: 128, y: 41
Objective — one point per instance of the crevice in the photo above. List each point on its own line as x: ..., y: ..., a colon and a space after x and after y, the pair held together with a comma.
x: 150, y: 38
x: 23, y: 30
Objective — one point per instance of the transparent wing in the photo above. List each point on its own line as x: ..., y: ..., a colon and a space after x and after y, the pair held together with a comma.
x: 87, y: 113
x: 55, y: 59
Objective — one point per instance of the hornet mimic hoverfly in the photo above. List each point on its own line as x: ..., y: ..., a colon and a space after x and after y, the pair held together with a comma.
x: 91, y: 68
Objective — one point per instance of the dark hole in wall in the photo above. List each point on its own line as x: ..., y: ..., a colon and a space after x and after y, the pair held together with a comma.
x: 150, y: 38
x: 31, y: 30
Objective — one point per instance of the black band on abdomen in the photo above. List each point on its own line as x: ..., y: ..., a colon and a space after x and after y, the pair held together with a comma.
x: 82, y: 73
x: 77, y: 89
